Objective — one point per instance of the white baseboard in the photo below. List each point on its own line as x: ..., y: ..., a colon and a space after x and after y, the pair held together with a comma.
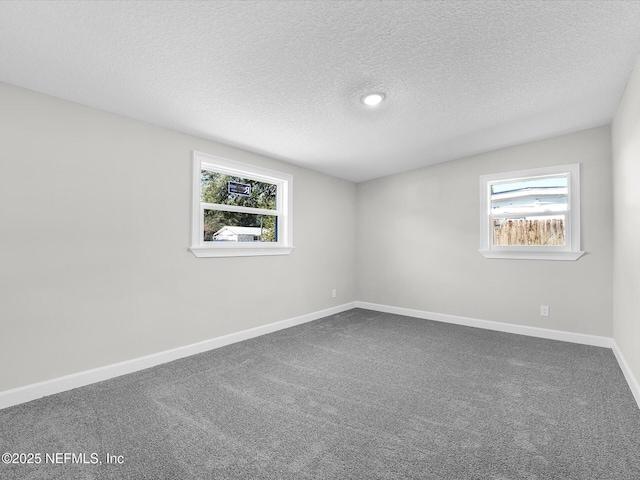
x: 34, y: 391
x: 628, y: 374
x: 68, y: 382
x: 581, y: 338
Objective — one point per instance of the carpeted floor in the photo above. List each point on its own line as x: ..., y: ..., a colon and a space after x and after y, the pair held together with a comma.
x: 358, y: 395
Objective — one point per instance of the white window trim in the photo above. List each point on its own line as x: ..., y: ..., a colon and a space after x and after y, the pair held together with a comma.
x: 284, y: 202
x: 570, y: 251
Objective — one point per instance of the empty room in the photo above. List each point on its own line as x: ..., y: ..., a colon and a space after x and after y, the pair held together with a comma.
x: 320, y: 239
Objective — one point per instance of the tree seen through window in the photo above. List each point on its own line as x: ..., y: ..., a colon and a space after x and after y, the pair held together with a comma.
x: 215, y: 190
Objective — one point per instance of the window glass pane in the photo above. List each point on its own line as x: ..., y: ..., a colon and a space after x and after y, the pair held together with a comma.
x: 221, y: 226
x: 541, y: 194
x: 529, y: 231
x: 229, y: 190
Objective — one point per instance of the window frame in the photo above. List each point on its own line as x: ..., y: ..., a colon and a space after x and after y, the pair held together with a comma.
x: 569, y: 251
x: 283, y: 211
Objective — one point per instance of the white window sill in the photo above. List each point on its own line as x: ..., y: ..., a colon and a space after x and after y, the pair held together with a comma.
x: 569, y: 256
x: 233, y: 251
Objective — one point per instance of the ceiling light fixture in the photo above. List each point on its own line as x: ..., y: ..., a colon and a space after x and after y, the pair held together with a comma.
x: 373, y: 99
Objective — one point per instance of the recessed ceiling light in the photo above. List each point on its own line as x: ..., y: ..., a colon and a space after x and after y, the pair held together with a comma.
x: 373, y: 99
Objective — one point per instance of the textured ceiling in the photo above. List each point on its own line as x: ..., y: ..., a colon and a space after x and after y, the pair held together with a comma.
x: 284, y: 78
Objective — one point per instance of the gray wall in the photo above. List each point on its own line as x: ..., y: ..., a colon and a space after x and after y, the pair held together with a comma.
x: 94, y: 230
x: 626, y: 271
x: 418, y: 242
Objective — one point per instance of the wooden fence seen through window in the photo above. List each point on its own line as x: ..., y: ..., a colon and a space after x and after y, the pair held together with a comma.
x: 548, y: 231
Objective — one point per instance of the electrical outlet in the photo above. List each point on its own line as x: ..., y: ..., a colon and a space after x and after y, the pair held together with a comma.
x: 334, y: 293
x: 544, y: 310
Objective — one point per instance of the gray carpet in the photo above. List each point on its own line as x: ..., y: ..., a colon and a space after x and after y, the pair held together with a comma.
x: 358, y: 395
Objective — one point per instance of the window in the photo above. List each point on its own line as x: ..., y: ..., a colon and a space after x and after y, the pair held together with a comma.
x: 531, y: 214
x: 239, y: 210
